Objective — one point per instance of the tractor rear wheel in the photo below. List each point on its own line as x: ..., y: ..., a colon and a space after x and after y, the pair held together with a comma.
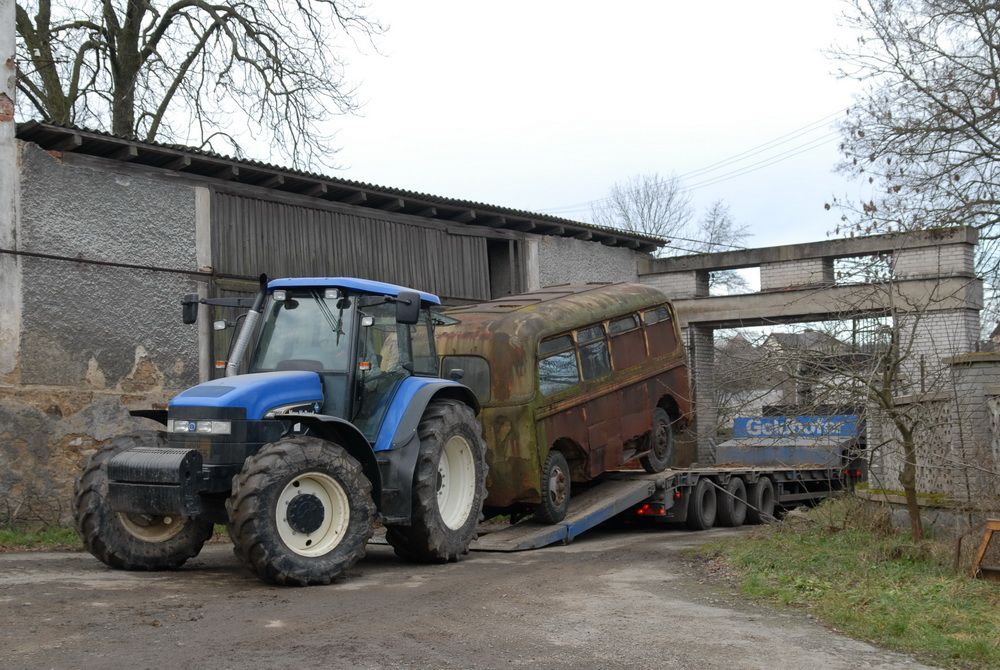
x: 449, y: 486
x: 131, y: 541
x: 300, y: 512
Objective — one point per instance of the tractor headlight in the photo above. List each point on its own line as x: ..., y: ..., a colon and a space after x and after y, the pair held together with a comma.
x: 203, y: 427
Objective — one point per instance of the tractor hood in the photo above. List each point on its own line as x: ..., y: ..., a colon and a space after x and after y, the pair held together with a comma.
x: 257, y: 393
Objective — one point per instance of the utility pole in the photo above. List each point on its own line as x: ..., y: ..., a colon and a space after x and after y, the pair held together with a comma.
x: 10, y: 266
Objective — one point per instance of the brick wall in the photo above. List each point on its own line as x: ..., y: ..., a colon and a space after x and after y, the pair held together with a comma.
x: 949, y: 259
x: 796, y: 273
x: 679, y: 285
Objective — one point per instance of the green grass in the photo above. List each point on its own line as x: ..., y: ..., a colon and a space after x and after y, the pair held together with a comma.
x: 845, y: 565
x: 45, y: 538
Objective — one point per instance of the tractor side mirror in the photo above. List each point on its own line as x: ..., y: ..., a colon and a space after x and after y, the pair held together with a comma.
x: 407, y: 307
x: 189, y: 308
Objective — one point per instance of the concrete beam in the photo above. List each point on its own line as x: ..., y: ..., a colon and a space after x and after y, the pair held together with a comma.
x: 841, y: 248
x: 819, y: 304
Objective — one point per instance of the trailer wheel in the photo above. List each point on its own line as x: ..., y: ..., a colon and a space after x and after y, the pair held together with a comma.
x: 760, y: 507
x: 131, y: 541
x: 449, y: 486
x: 301, y: 512
x: 556, y: 487
x: 733, y: 503
x: 660, y: 442
x: 702, y: 505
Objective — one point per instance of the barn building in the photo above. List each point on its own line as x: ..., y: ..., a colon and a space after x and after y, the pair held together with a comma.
x: 108, y: 233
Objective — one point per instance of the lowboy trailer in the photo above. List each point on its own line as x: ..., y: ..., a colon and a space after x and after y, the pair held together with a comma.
x: 699, y: 498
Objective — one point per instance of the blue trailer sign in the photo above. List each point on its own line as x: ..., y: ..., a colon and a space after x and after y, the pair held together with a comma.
x: 837, y: 425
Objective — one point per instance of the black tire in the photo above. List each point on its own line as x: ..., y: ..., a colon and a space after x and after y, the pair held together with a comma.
x: 732, y: 507
x: 129, y: 542
x: 297, y: 469
x: 760, y: 502
x: 430, y: 538
x: 556, y: 489
x: 660, y: 442
x: 702, y: 505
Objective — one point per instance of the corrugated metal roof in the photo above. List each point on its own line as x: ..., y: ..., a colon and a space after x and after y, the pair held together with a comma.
x: 205, y: 163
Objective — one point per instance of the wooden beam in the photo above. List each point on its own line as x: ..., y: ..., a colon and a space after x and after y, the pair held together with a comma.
x: 584, y: 235
x: 393, y: 205
x: 177, y: 163
x: 552, y: 229
x: 356, y: 198
x: 126, y: 153
x: 271, y: 181
x: 610, y: 241
x: 523, y: 225
x: 465, y: 217
x: 71, y: 143
x: 316, y: 190
x: 227, y: 172
x: 429, y: 212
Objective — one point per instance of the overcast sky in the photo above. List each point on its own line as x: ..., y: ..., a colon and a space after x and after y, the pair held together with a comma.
x: 544, y: 105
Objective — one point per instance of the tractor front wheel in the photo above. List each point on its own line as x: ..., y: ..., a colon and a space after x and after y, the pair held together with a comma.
x: 131, y: 541
x: 301, y: 512
x: 449, y: 486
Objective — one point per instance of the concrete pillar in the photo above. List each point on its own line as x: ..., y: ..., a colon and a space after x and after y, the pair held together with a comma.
x: 10, y: 265
x: 701, y: 341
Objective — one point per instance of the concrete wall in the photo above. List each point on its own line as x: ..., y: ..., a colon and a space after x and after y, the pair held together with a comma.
x: 93, y: 340
x: 561, y: 260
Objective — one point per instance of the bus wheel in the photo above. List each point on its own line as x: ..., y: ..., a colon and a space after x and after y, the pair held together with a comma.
x: 660, y: 442
x: 702, y: 505
x: 555, y: 489
x: 733, y: 503
x: 760, y: 503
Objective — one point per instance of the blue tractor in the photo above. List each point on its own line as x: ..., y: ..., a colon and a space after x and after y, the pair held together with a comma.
x: 331, y: 415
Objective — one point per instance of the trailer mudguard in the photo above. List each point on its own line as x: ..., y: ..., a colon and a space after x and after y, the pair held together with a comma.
x: 398, y: 443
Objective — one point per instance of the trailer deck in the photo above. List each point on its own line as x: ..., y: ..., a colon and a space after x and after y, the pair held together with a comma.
x: 619, y: 492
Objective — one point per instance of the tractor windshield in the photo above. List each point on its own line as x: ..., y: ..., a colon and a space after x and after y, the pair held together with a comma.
x: 305, y: 331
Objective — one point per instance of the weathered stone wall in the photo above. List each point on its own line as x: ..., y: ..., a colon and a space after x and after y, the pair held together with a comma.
x: 94, y: 340
x: 957, y: 437
x: 562, y: 260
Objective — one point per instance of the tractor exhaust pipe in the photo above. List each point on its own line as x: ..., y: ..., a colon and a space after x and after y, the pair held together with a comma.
x: 246, y: 332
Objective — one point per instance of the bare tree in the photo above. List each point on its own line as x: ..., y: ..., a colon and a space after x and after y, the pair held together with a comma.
x: 716, y: 230
x: 212, y: 73
x: 648, y: 204
x: 925, y: 131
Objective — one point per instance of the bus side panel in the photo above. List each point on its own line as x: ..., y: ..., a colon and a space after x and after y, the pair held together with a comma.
x: 511, y: 455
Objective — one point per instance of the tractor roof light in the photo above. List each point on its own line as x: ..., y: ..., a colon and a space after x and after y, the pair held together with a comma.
x: 280, y: 295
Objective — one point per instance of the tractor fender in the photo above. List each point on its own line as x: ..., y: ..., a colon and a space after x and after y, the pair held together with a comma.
x: 346, y: 434
x: 398, y: 444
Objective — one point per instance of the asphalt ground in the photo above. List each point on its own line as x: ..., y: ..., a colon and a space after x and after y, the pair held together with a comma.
x: 612, y: 599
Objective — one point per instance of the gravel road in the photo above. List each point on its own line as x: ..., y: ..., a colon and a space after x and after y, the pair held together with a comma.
x: 614, y: 599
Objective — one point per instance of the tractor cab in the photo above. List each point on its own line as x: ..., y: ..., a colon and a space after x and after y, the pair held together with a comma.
x: 362, y: 338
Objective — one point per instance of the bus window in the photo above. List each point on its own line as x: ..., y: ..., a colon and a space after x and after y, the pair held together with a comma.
x: 476, y: 373
x: 659, y: 331
x: 594, y: 359
x: 628, y: 346
x: 557, y: 372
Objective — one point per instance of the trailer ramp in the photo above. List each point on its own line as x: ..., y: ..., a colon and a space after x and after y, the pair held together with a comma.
x: 587, y: 509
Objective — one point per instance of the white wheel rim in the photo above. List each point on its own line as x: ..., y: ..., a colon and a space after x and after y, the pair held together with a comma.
x: 336, y: 514
x: 456, y: 482
x: 151, y: 527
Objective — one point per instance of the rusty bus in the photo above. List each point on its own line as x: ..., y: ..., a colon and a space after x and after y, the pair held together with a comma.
x: 574, y: 381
